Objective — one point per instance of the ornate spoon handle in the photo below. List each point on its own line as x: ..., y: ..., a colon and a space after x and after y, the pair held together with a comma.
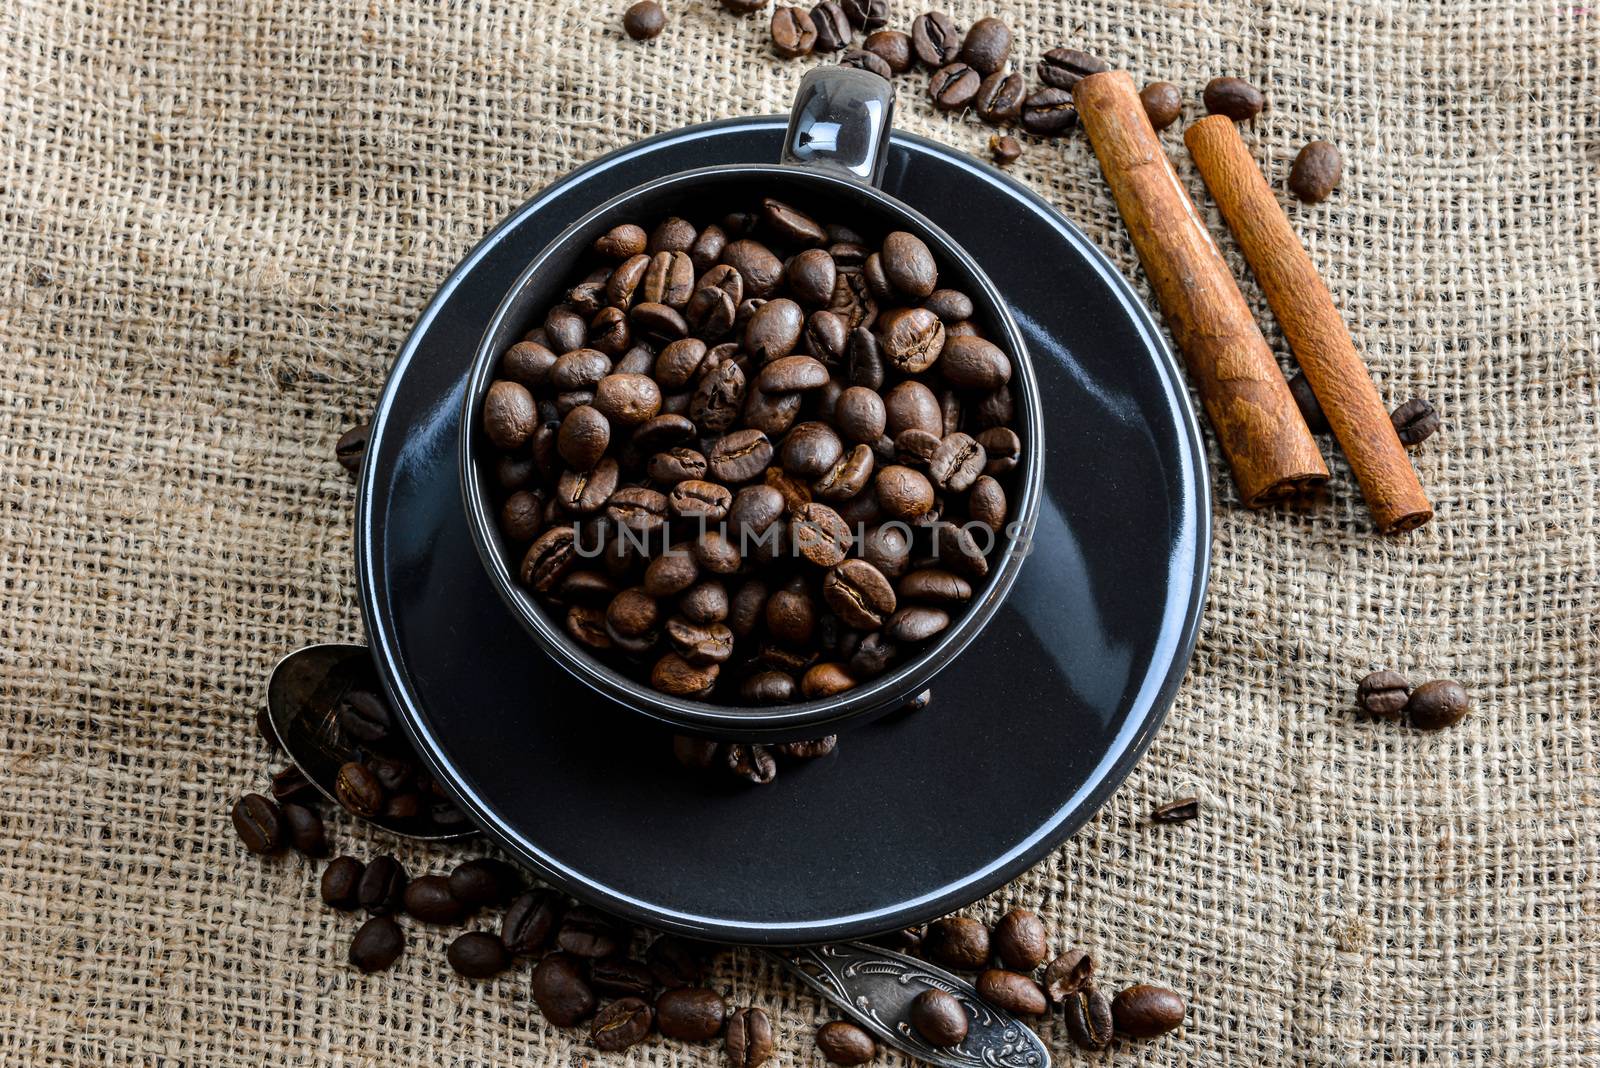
x: 874, y: 987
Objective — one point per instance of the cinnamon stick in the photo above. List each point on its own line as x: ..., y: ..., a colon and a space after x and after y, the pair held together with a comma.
x: 1257, y: 423
x: 1311, y: 323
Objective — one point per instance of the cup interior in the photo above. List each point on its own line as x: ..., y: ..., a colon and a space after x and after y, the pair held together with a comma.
x: 702, y: 196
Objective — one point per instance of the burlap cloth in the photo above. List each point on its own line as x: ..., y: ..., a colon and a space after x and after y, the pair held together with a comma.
x: 219, y: 220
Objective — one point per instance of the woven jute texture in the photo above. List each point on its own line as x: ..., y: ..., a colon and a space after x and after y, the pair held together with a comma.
x: 217, y: 222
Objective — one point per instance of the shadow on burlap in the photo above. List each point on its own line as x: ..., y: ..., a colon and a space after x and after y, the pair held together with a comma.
x: 217, y: 227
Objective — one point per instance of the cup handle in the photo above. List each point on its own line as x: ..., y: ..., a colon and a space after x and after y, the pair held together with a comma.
x: 839, y: 124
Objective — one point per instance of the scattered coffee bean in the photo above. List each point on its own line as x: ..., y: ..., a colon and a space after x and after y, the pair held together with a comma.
x: 957, y: 942
x: 1063, y: 68
x: 935, y: 40
x: 1019, y: 940
x: 748, y: 1040
x: 1233, y: 97
x: 866, y: 15
x: 589, y: 933
x: 485, y: 881
x: 1005, y: 150
x: 304, y: 831
x: 955, y: 86
x: 1163, y: 103
x: 644, y: 20
x: 561, y: 991
x: 845, y: 1043
x: 691, y: 1014
x: 1145, y: 1011
x: 1012, y: 991
x: 1310, y: 408
x: 259, y: 823
x: 621, y: 1024
x: 1316, y: 172
x: 1182, y: 810
x: 1438, y: 704
x: 1383, y: 694
x: 743, y: 7
x: 794, y: 34
x: 382, y: 888
x: 861, y: 59
x: 351, y: 448
x: 939, y: 1018
x: 891, y: 46
x: 478, y: 955
x: 1415, y: 421
x: 359, y: 790
x: 621, y: 977
x: 999, y: 98
x: 530, y: 922
x: 428, y: 898
x: 377, y: 944
x: 1090, y: 1023
x: 1068, y: 974
x: 1049, y: 112
x: 833, y: 26
x: 341, y: 880
x: 987, y: 45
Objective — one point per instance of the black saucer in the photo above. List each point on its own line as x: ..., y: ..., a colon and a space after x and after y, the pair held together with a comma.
x: 914, y: 816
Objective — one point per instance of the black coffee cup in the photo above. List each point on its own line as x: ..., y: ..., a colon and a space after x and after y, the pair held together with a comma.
x: 833, y: 155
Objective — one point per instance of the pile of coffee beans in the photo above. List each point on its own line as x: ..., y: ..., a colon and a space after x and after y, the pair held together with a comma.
x: 1430, y: 707
x: 1010, y: 959
x: 757, y: 460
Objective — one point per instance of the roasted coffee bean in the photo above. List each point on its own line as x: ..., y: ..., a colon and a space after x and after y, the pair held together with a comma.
x: 939, y: 1018
x: 711, y: 311
x: 747, y: 608
x: 522, y: 516
x: 859, y: 593
x: 303, y: 829
x: 759, y: 270
x: 860, y: 415
x: 915, y: 624
x: 866, y: 359
x: 848, y: 477
x: 358, y: 789
x: 672, y: 572
x: 1089, y: 1020
x: 340, y: 882
x: 891, y: 46
x: 845, y: 1043
x: 957, y: 942
x: 1004, y: 150
x: 382, y: 888
x: 530, y: 922
x: 935, y: 40
x: 741, y: 455
x: 1068, y: 974
x: 768, y: 688
x: 672, y: 234
x: 669, y: 280
x: 950, y: 305
x: 934, y: 586
x: 833, y: 26
x: 866, y: 15
x: 528, y: 364
x: 627, y: 400
x: 676, y: 962
x: 1020, y: 941
x: 1163, y: 103
x: 708, y: 643
x: 585, y: 434
x: 1415, y: 421
x: 774, y: 330
x: 690, y: 1014
x: 621, y: 242
x: 987, y: 45
x: 622, y: 288
x: 975, y: 364
x: 986, y: 503
x: 1310, y: 408
x: 791, y: 615
x: 811, y: 276
x: 819, y: 535
x: 959, y: 547
x: 813, y: 749
x: 676, y: 676
x: 999, y: 98
x: 750, y: 763
x: 1012, y: 991
x: 589, y: 933
x: 509, y: 415
x: 609, y: 332
x: 406, y: 806
x: 259, y: 823
x: 560, y: 990
x: 718, y: 398
x: 364, y: 717
x: 794, y: 33
x: 622, y: 977
x: 1438, y: 704
x: 1383, y: 694
x: 852, y: 299
x: 1145, y: 1011
x: 658, y: 324
x: 548, y: 560
x: 644, y: 20
x: 1180, y: 811
x: 565, y: 328
x: 861, y: 59
x: 715, y: 552
x: 428, y: 898
x: 908, y: 265
x: 749, y: 1038
x: 675, y: 465
x: 912, y: 405
x: 905, y: 493
x: 351, y: 448
x: 825, y: 680
x: 485, y: 882
x: 477, y: 955
x: 956, y: 463
x: 1064, y: 68
x: 954, y: 86
x: 1233, y: 97
x: 1049, y: 112
x: 910, y: 339
x: 585, y: 492
x: 792, y: 374
x: 1316, y: 172
x: 377, y: 944
x: 290, y: 784
x: 810, y: 450
x: 743, y: 7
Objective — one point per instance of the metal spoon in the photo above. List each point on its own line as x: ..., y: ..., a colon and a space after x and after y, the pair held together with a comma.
x: 303, y: 697
x: 871, y: 985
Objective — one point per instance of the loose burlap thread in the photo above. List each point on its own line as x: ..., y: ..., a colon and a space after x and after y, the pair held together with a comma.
x: 218, y: 222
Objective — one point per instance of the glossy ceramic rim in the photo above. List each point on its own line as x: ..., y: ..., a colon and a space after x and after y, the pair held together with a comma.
x: 801, y: 718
